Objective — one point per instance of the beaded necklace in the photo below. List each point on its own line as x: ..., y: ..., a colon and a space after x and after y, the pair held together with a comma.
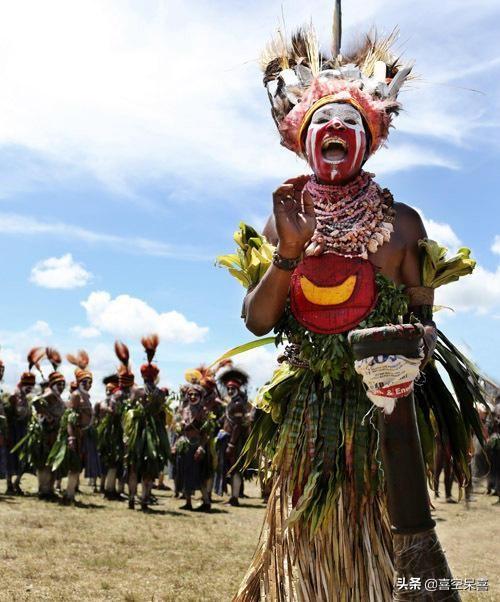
x: 354, y: 219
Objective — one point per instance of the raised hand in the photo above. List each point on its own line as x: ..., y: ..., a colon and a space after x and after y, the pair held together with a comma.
x: 294, y: 217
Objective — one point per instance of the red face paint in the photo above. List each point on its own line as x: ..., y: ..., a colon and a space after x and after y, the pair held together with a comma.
x: 336, y: 143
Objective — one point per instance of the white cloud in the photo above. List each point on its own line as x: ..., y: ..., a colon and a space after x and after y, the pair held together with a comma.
x: 399, y: 157
x: 173, y: 88
x: 126, y: 316
x: 440, y: 232
x: 495, y: 247
x: 15, y: 224
x: 478, y: 293
x: 60, y: 272
x: 86, y: 332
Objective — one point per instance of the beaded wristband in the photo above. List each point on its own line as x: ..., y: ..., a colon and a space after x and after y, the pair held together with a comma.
x: 283, y: 263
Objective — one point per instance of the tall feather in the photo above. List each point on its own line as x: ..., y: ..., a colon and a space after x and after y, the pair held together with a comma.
x: 35, y: 356
x: 336, y: 28
x: 122, y: 353
x: 150, y: 344
x: 81, y: 359
x: 54, y: 357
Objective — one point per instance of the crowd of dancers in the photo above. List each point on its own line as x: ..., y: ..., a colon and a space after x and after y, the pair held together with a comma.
x: 135, y: 435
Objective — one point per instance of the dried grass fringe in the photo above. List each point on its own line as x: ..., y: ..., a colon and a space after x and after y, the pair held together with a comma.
x: 348, y: 559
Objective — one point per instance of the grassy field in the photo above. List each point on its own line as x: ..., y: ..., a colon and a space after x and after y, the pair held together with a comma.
x: 102, y: 551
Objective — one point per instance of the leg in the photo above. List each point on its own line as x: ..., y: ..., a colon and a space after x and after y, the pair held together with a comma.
x: 109, y: 483
x: 71, y: 486
x: 236, y: 482
x: 132, y: 487
x: 438, y: 467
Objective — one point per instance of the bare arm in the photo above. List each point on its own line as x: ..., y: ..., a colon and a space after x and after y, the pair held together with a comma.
x: 290, y: 228
x: 414, y: 230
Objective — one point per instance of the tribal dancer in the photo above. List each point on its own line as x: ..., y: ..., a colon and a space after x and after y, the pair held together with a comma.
x: 67, y: 455
x: 236, y: 428
x: 110, y: 438
x: 194, y: 448
x: 339, y: 255
x: 18, y: 413
x: 48, y: 408
x: 124, y: 400
x: 84, y: 378
x: 147, y: 447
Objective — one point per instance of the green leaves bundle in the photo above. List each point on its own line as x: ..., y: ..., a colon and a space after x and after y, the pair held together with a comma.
x: 252, y: 258
x: 438, y: 269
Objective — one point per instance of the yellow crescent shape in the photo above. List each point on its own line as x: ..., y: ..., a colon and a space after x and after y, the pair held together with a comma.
x: 328, y: 295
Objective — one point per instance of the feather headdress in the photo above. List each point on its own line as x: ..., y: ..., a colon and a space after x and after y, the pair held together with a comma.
x: 81, y: 361
x: 150, y: 371
x: 35, y: 356
x: 234, y: 376
x: 55, y: 359
x: 299, y: 79
x: 125, y: 374
x: 206, y: 376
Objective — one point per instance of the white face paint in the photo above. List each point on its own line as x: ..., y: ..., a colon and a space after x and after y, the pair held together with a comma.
x: 336, y: 142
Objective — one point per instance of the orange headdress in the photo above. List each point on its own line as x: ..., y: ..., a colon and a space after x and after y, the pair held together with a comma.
x: 81, y: 361
x: 55, y: 359
x: 125, y: 374
x: 35, y: 356
x: 150, y: 371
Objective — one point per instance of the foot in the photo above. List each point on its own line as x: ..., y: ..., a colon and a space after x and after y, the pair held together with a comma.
x: 67, y: 501
x: 17, y: 489
x: 205, y: 507
x: 10, y: 489
x: 450, y: 500
x: 233, y: 501
x: 436, y: 495
x: 186, y: 506
x: 163, y: 487
x: 131, y: 504
x: 145, y: 507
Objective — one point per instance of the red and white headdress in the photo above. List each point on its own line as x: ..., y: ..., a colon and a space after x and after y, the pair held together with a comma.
x: 300, y: 79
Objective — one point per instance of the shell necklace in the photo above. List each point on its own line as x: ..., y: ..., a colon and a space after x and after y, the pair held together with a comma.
x: 354, y: 219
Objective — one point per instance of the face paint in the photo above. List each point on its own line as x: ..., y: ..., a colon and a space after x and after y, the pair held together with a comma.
x: 336, y: 143
x: 86, y: 384
x: 59, y: 387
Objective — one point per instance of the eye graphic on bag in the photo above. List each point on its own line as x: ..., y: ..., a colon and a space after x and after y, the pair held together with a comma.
x: 331, y: 294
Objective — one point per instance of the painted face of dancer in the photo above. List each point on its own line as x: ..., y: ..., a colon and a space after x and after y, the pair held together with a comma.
x: 86, y: 384
x: 336, y: 143
x: 194, y: 396
x: 232, y: 391
x: 59, y: 386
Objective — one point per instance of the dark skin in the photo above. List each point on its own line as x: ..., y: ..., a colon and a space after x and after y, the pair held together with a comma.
x: 291, y: 228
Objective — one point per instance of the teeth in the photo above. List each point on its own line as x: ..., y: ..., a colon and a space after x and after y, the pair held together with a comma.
x: 333, y: 140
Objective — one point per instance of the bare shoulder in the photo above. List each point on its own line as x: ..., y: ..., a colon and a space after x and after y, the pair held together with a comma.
x: 409, y: 222
x: 270, y: 231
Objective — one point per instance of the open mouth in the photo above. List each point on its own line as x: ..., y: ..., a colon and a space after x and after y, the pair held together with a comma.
x: 333, y: 149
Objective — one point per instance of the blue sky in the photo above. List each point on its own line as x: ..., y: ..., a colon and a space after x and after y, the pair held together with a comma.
x: 134, y: 136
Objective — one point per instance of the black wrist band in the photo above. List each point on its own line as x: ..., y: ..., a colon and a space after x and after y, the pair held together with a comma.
x: 283, y: 263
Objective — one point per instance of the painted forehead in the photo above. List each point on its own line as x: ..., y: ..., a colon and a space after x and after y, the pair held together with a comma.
x: 342, y: 111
